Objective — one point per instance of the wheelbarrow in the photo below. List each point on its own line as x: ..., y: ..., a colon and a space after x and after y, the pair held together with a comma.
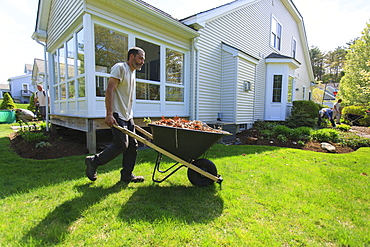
x: 184, y: 146
x: 353, y: 118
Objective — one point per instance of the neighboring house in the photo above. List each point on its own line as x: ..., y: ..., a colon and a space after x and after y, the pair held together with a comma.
x: 329, y: 91
x: 38, y: 72
x: 4, y: 88
x: 236, y: 64
x: 21, y: 88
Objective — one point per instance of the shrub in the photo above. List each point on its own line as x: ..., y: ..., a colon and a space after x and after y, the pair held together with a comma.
x: 31, y: 136
x: 353, y: 141
x: 32, y: 106
x: 43, y: 144
x: 8, y: 102
x: 260, y: 125
x: 301, y: 133
x: 306, y: 106
x: 304, y: 113
x: 343, y: 127
x: 282, y: 138
x: 282, y: 130
x: 300, y: 119
x: 325, y: 135
x: 266, y: 134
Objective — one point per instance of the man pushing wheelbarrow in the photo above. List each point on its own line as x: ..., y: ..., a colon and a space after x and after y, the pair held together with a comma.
x: 118, y: 102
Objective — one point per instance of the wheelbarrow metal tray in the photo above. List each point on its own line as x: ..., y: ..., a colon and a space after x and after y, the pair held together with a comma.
x: 187, y: 144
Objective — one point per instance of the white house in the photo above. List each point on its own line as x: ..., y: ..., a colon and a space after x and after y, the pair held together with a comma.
x: 236, y: 64
x: 4, y: 88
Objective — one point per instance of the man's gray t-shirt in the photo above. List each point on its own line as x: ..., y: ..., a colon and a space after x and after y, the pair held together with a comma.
x: 124, y: 94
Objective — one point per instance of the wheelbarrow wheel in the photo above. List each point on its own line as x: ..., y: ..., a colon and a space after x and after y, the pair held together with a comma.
x: 198, y: 179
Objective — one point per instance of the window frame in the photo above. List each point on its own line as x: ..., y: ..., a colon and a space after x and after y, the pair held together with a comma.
x: 62, y: 86
x: 276, y: 32
x: 294, y: 47
x: 277, y: 92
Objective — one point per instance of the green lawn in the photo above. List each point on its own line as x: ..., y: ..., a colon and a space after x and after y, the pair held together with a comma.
x: 270, y: 197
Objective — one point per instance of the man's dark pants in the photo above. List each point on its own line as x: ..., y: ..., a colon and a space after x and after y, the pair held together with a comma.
x: 122, y: 144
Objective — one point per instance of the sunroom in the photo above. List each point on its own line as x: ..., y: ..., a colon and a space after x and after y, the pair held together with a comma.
x: 80, y: 58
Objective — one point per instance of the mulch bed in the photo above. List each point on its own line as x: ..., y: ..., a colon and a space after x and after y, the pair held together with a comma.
x: 67, y: 142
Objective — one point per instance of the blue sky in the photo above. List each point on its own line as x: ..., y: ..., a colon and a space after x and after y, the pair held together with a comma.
x: 329, y: 24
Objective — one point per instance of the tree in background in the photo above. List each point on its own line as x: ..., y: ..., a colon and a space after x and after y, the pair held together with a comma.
x: 317, y: 62
x: 8, y: 102
x: 334, y: 63
x: 355, y: 84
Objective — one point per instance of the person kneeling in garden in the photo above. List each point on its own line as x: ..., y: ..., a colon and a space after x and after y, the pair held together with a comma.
x: 326, y: 113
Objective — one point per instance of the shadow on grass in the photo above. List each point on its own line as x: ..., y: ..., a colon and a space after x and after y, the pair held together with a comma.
x: 152, y: 203
x: 20, y: 175
x: 178, y: 203
x: 52, y: 230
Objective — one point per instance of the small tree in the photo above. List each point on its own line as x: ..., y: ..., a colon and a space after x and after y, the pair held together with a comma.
x: 32, y: 106
x: 8, y: 102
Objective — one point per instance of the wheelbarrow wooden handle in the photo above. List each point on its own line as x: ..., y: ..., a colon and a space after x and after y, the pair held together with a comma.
x: 143, y: 131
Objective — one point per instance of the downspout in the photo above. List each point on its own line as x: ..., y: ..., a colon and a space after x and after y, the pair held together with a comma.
x: 45, y: 83
x: 194, y: 98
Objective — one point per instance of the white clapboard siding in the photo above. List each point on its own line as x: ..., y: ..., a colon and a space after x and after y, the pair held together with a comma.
x: 236, y: 29
x: 247, y: 29
x: 62, y: 15
x: 229, y: 82
x: 245, y: 99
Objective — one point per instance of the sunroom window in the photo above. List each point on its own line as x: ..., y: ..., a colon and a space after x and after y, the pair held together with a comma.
x: 68, y: 69
x: 174, y: 76
x: 148, y: 85
x: 110, y: 48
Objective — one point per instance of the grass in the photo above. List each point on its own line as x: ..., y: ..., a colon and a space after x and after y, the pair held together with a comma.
x: 270, y: 197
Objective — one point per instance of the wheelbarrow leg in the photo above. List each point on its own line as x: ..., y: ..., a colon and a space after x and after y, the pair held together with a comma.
x: 156, y: 169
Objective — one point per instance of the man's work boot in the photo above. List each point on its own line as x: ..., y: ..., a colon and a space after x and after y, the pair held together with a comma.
x: 90, y: 168
x: 133, y: 179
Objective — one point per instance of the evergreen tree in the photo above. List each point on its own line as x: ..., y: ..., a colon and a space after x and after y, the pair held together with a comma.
x: 8, y: 102
x: 334, y: 63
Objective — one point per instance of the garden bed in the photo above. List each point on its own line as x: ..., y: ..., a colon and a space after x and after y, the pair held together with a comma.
x: 67, y: 142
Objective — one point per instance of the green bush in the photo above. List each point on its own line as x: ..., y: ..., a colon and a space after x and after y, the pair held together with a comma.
x: 260, y: 125
x: 307, y: 106
x: 282, y: 138
x: 266, y: 134
x: 353, y: 141
x: 32, y: 106
x: 282, y: 130
x: 301, y: 133
x: 343, y: 127
x: 304, y: 113
x: 300, y: 120
x: 325, y: 135
x: 8, y: 102
x: 31, y: 136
